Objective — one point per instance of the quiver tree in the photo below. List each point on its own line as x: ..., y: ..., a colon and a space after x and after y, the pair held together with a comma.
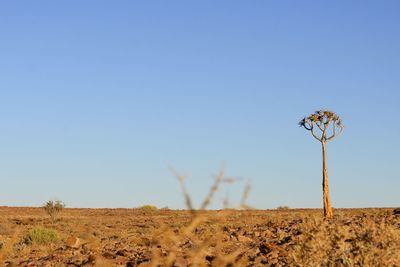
x: 324, y: 126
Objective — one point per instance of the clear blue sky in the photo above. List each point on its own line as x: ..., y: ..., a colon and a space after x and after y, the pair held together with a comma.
x: 97, y: 98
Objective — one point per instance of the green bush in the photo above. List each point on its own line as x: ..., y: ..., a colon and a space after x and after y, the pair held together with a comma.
x: 53, y: 208
x: 40, y: 236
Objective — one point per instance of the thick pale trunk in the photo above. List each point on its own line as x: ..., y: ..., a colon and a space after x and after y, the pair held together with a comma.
x: 325, y: 186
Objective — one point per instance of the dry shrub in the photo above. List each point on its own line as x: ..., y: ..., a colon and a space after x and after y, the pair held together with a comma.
x: 198, y: 241
x: 53, y: 208
x: 282, y: 208
x: 148, y: 208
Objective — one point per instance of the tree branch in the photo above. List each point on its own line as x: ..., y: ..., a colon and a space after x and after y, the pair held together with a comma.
x: 319, y: 126
x: 309, y: 126
x: 181, y: 179
x: 213, y: 189
x: 315, y: 136
x: 334, y: 132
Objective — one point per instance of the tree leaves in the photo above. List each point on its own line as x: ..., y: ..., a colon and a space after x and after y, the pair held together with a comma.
x: 323, y: 119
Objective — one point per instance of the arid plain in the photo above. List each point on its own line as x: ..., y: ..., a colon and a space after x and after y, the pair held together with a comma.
x: 162, y: 237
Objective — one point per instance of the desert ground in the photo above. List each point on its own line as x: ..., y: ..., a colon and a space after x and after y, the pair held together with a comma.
x: 162, y: 237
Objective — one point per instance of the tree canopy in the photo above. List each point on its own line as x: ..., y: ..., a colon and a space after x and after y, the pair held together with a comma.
x: 322, y: 120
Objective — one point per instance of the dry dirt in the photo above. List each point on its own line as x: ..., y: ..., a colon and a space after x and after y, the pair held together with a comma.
x: 136, y: 237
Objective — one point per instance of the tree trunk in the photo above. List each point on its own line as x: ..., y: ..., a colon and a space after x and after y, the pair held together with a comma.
x: 325, y: 186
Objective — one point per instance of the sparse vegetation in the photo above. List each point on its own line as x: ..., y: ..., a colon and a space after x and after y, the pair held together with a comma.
x: 53, y: 208
x: 126, y: 237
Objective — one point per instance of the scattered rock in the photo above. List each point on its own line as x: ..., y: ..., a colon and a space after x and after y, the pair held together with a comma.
x: 264, y: 242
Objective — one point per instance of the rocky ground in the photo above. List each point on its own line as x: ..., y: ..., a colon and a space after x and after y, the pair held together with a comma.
x: 138, y: 237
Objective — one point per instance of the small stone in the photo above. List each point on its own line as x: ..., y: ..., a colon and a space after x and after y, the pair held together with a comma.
x: 109, y: 255
x: 181, y: 262
x: 74, y: 242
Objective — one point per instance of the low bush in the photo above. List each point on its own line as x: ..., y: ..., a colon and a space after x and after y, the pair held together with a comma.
x: 282, y: 208
x: 148, y: 208
x: 40, y: 236
x: 53, y: 208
